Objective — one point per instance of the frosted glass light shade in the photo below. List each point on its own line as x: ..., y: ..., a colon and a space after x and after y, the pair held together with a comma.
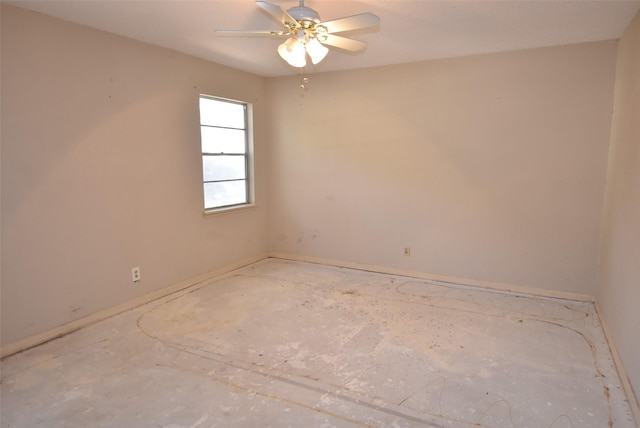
x: 292, y: 51
x: 316, y: 51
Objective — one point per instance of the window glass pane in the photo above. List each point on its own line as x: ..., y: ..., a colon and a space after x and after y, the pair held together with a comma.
x: 222, y: 140
x: 223, y: 167
x: 221, y: 113
x: 225, y: 193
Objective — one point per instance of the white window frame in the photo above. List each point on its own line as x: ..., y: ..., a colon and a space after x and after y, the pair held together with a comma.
x: 248, y: 157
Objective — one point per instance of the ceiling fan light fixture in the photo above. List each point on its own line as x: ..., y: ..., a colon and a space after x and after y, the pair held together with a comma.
x: 293, y: 51
x: 316, y: 51
x: 309, y: 35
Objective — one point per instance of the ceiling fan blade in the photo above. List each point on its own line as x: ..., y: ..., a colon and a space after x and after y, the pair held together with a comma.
x: 355, y: 22
x: 343, y: 43
x: 251, y: 33
x: 278, y: 13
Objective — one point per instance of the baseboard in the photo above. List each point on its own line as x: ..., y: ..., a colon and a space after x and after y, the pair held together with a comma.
x: 65, y: 329
x: 532, y: 291
x: 622, y: 374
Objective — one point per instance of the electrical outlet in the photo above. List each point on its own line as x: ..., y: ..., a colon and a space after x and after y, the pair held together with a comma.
x: 135, y: 274
x: 407, y: 251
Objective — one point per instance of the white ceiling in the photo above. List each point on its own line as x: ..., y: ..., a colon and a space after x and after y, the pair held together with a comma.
x: 410, y: 31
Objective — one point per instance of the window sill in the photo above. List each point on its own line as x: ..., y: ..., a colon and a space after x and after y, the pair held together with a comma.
x: 227, y: 210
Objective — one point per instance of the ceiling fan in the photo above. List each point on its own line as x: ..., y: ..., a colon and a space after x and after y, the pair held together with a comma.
x: 307, y: 35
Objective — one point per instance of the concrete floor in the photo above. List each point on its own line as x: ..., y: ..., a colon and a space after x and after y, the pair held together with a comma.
x: 290, y: 344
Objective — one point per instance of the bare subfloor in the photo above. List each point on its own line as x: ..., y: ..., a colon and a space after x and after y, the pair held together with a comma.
x: 290, y: 344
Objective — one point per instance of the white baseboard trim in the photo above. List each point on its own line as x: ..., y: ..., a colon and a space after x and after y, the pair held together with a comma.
x: 622, y: 374
x: 38, y: 339
x: 520, y: 289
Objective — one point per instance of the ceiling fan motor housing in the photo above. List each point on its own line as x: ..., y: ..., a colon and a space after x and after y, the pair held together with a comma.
x: 303, y: 13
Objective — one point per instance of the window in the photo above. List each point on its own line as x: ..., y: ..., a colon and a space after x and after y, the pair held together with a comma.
x: 224, y: 135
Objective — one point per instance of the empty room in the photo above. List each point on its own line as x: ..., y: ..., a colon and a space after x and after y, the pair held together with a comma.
x: 320, y: 214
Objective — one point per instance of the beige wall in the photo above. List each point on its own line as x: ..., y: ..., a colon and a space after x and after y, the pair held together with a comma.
x: 101, y: 171
x: 490, y: 168
x: 619, y: 288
